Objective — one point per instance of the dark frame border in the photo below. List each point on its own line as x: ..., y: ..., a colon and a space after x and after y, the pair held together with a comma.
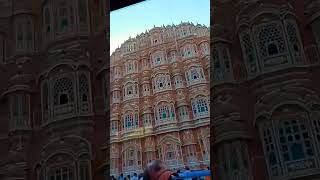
x: 118, y: 4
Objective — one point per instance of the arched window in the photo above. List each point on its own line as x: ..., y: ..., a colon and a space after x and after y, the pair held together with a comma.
x: 272, y: 49
x: 172, y: 56
x: 170, y: 152
x: 63, y: 96
x: 130, y: 67
x: 270, y: 39
x: 188, y: 51
x: 227, y: 62
x: 178, y: 81
x: 117, y: 72
x: 157, y: 58
x: 84, y: 88
x: 287, y: 140
x: 296, y: 48
x: 63, y: 91
x: 129, y: 90
x: 165, y: 112
x: 114, y: 127
x: 183, y: 113
x: 129, y: 124
x: 204, y: 48
x: 294, y: 41
x: 195, y: 75
x: 147, y: 120
x: 131, y: 159
x: 200, y: 107
x: 184, y: 32
x: 218, y: 72
x: 63, y: 99
x: 146, y: 90
x: 116, y: 96
x: 131, y: 121
x: 161, y: 82
x: 84, y: 96
x: 249, y: 53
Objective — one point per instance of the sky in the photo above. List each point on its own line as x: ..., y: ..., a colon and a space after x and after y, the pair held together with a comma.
x: 136, y: 19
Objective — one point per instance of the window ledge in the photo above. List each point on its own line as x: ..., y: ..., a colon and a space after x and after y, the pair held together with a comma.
x: 198, y: 83
x: 180, y: 87
x: 61, y: 120
x: 160, y: 91
x: 130, y: 99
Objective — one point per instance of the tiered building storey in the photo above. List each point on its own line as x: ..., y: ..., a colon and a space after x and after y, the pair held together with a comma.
x: 53, y: 120
x: 160, y: 99
x: 265, y: 96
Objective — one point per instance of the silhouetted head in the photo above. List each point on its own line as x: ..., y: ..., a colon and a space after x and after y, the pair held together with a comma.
x: 156, y: 170
x: 140, y: 175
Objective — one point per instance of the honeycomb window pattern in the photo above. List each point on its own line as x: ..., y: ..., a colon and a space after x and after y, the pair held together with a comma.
x: 83, y: 88
x: 270, y: 34
x: 63, y: 85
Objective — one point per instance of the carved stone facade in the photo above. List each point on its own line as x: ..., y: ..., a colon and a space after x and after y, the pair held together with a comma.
x: 160, y: 99
x: 265, y: 91
x: 52, y: 105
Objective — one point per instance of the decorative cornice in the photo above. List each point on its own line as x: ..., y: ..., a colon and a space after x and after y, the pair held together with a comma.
x: 12, y: 89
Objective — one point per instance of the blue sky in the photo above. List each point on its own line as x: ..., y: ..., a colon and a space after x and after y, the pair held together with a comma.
x: 140, y: 17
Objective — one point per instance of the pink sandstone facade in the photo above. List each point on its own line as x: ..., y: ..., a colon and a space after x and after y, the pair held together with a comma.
x: 160, y: 99
x: 53, y: 120
x: 265, y: 95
